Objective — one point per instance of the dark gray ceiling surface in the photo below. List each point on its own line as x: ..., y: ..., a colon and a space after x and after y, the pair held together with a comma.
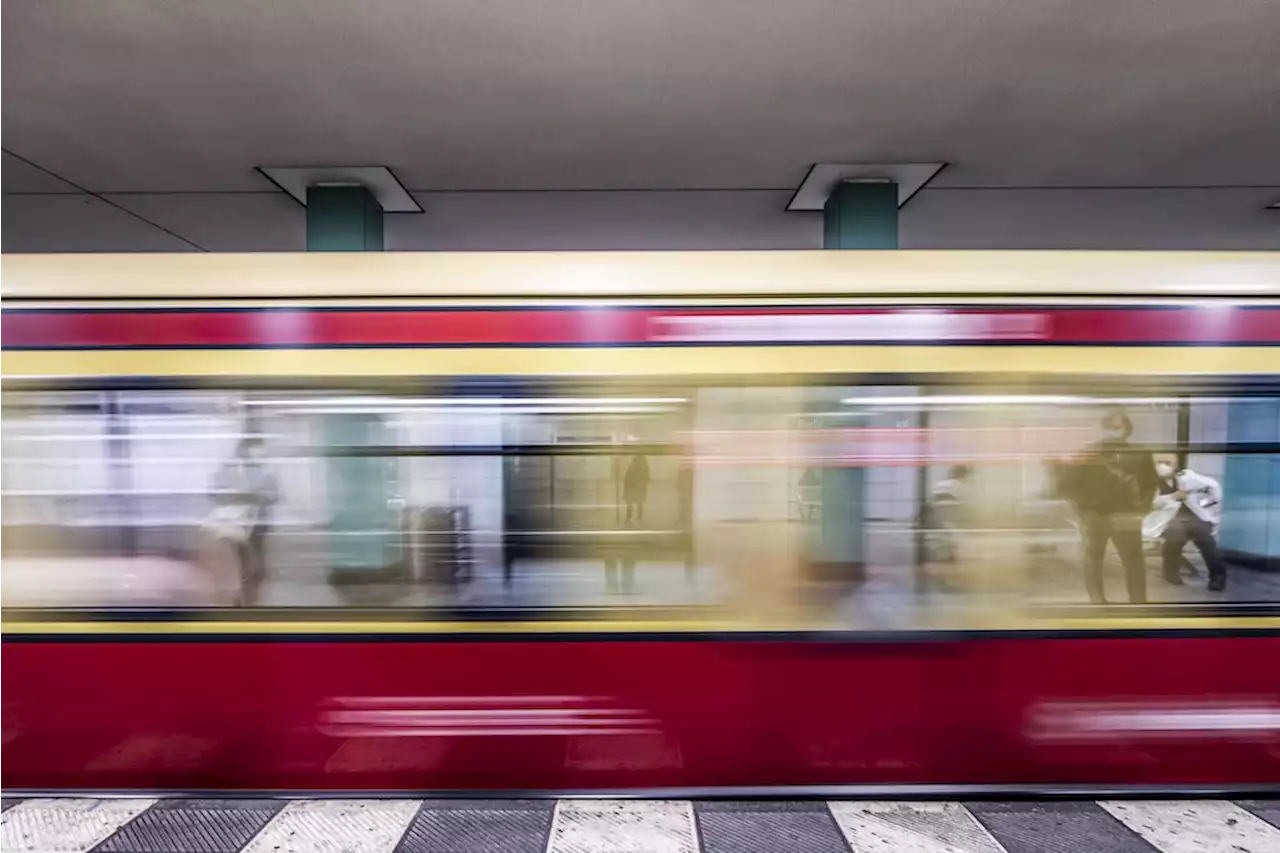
x: 1128, y: 124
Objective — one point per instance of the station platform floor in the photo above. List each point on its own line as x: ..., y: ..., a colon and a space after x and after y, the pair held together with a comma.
x: 140, y: 825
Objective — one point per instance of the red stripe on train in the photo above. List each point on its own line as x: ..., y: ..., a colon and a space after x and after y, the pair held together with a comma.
x: 301, y: 327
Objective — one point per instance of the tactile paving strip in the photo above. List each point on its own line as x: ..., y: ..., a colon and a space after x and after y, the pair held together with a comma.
x: 748, y: 827
x: 479, y: 826
x: 72, y: 825
x: 889, y: 827
x: 635, y: 826
x: 335, y: 826
x: 1196, y: 826
x: 1057, y: 827
x: 193, y: 826
x: 627, y: 826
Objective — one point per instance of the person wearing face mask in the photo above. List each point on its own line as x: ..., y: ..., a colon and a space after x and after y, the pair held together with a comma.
x: 1199, y: 511
x: 1111, y: 488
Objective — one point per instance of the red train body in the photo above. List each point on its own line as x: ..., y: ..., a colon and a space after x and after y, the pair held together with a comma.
x: 705, y: 714
x: 1005, y: 696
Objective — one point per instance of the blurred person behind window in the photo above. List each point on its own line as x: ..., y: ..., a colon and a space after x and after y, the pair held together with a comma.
x: 947, y: 508
x: 243, y: 492
x: 1111, y: 486
x: 635, y: 487
x: 1198, y: 500
x: 684, y: 495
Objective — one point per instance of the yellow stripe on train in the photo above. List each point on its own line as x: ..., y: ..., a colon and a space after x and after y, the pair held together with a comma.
x: 644, y: 361
x: 341, y: 628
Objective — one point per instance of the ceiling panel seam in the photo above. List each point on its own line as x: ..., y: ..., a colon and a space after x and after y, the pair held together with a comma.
x: 104, y: 200
x: 635, y: 190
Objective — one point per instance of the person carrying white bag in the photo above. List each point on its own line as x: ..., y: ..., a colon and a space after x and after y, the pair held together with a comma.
x: 1188, y: 506
x: 234, y: 532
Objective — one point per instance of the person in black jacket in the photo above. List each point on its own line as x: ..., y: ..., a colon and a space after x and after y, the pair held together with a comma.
x: 635, y: 487
x: 1112, y: 486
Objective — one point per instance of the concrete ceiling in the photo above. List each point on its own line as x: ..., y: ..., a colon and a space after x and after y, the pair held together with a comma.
x: 642, y: 123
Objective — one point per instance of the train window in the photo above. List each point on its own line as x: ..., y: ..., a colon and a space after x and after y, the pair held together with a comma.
x: 850, y: 505
x: 1051, y: 498
x: 1025, y: 493
x: 105, y: 493
x: 506, y: 500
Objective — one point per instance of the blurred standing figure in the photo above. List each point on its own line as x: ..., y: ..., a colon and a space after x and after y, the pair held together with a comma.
x: 684, y: 494
x: 1111, y: 487
x: 244, y: 491
x: 947, y: 506
x: 635, y: 487
x: 1199, y: 502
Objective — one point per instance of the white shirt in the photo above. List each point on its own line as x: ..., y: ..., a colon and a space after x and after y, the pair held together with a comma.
x: 1204, y: 496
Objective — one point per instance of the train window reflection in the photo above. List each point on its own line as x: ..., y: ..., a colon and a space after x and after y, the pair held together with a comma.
x: 337, y: 499
x: 844, y: 505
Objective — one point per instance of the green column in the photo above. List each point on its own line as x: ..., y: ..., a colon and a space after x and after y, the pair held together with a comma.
x: 861, y: 215
x: 858, y: 215
x: 347, y: 218
x: 342, y: 218
x: 362, y: 534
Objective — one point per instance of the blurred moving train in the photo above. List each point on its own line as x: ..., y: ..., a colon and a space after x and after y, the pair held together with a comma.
x: 627, y: 522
